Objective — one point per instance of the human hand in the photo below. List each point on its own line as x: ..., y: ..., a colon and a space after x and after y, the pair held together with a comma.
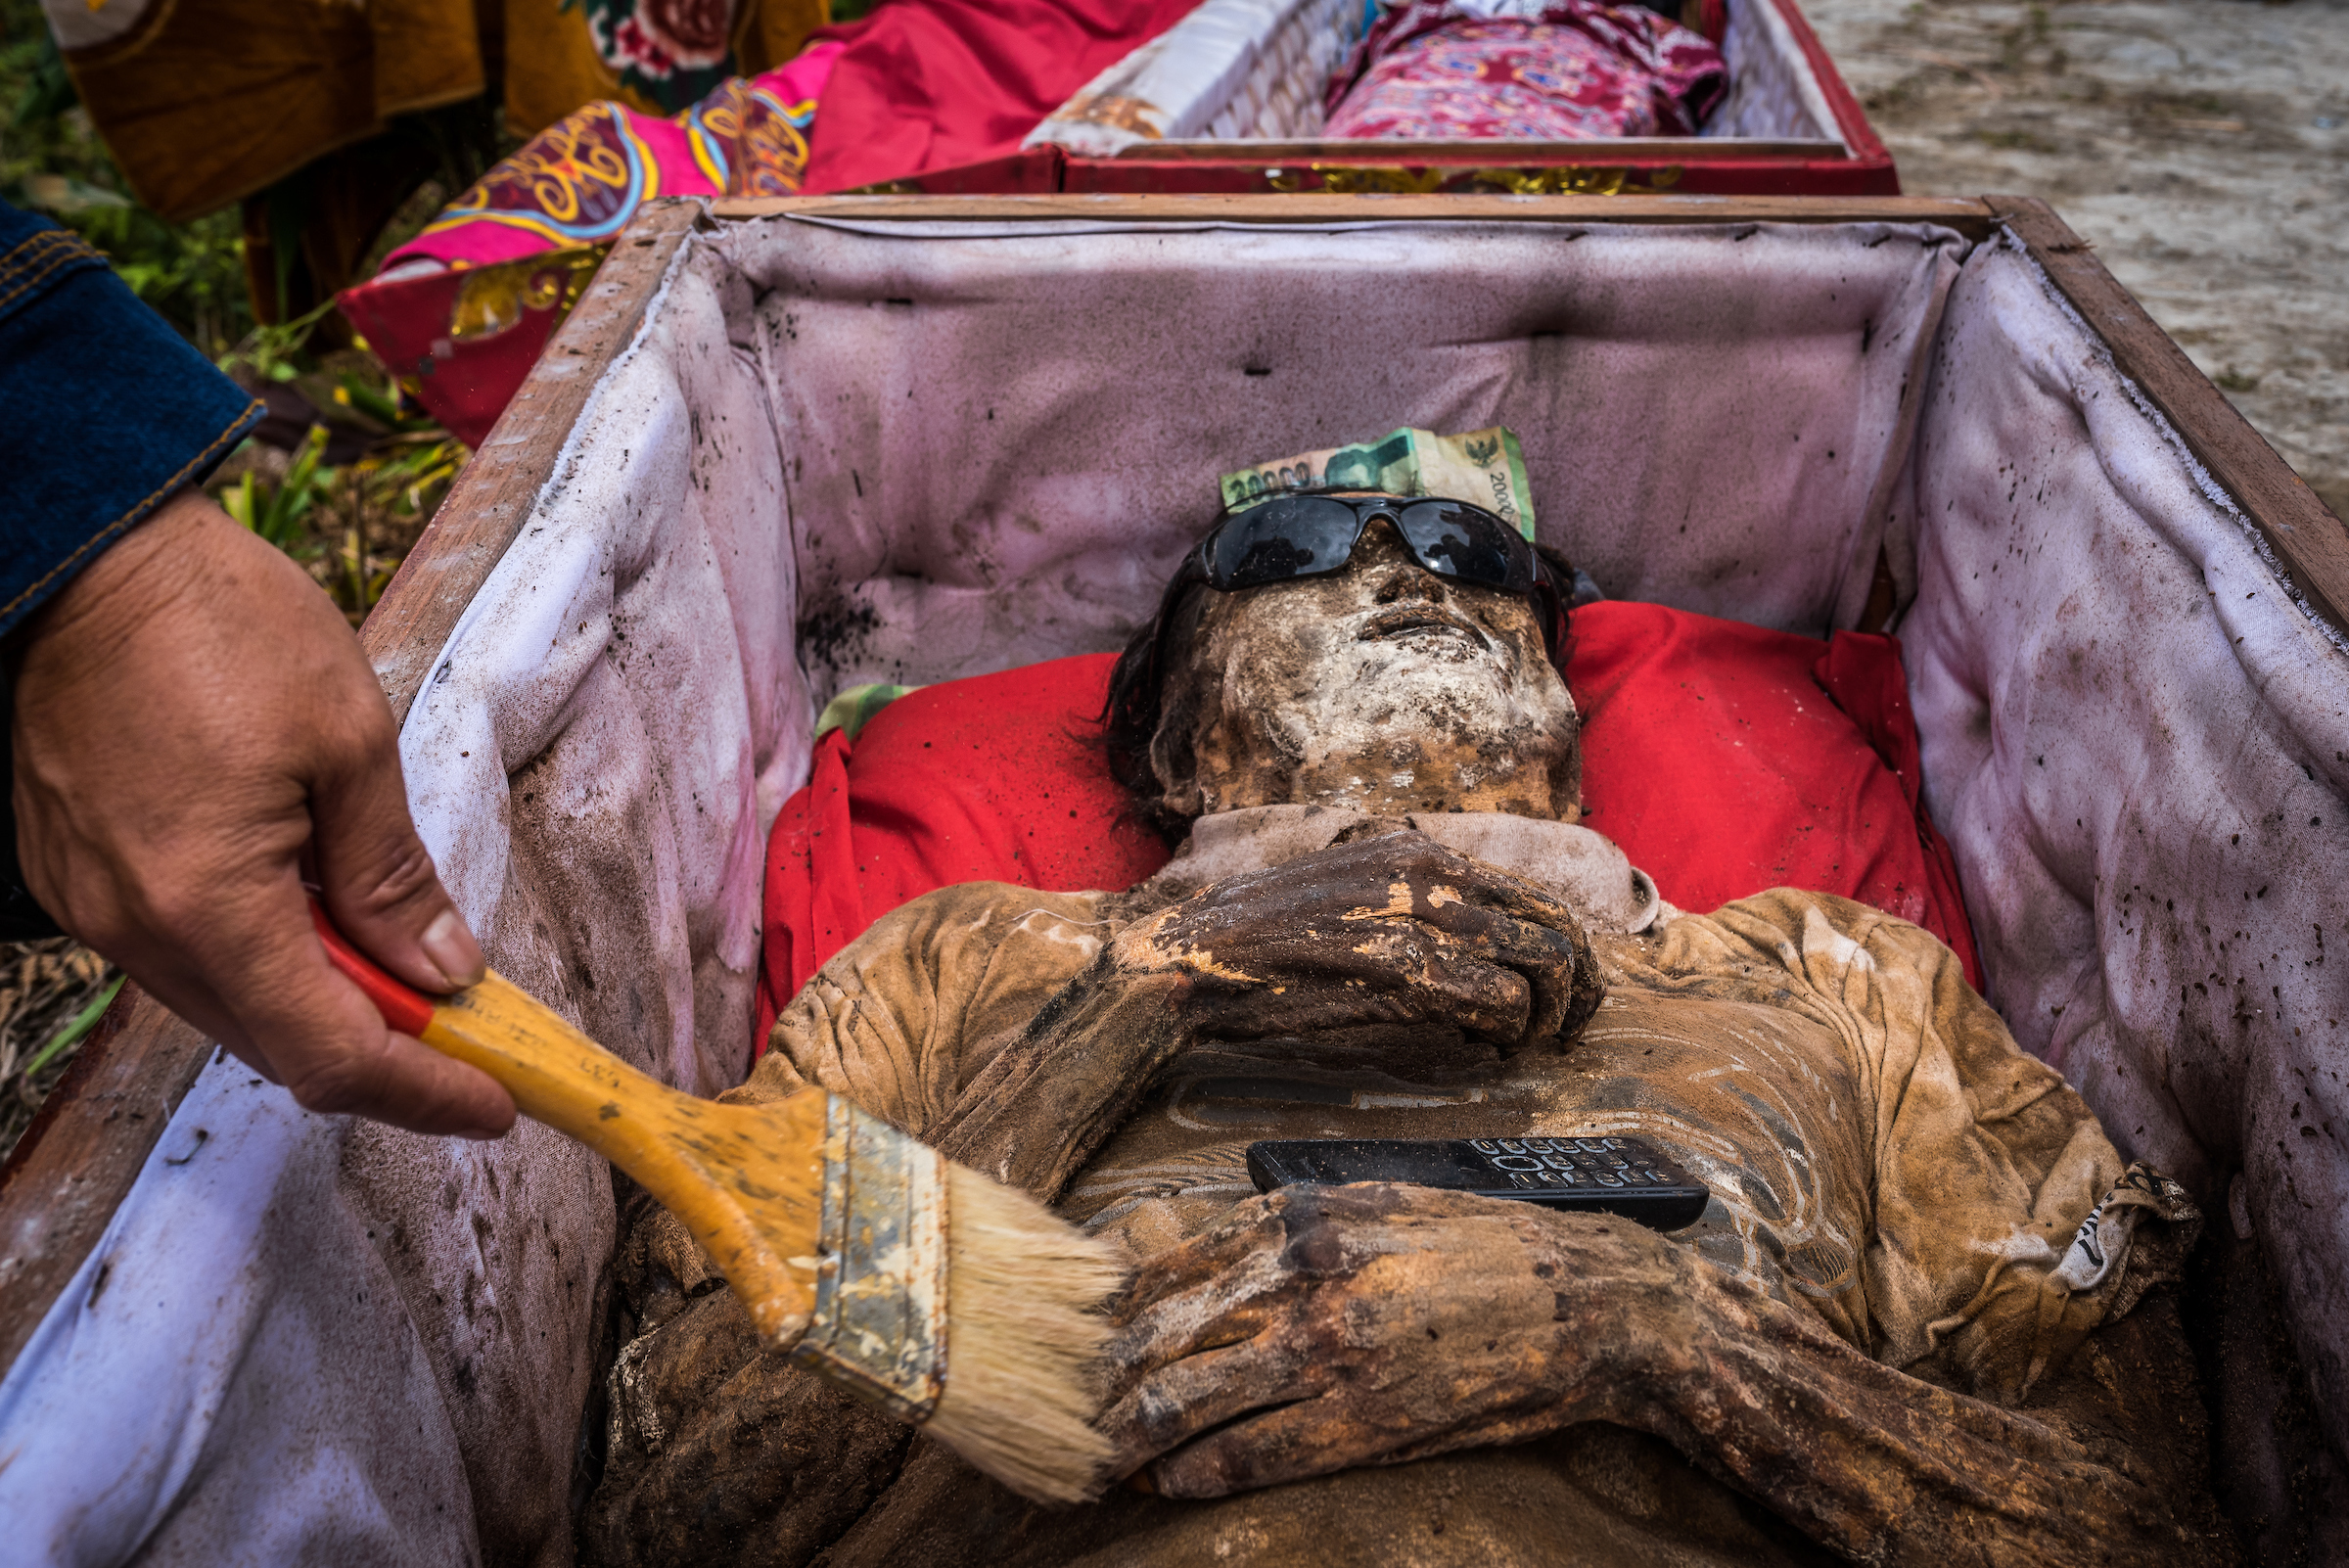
x: 1384, y: 929
x: 1318, y: 1329
x: 194, y: 727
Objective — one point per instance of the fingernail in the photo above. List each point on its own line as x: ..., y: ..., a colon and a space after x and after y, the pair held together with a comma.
x: 452, y: 950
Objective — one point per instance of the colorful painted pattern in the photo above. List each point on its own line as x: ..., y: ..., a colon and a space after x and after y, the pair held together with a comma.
x: 580, y: 180
x: 1562, y: 71
x: 748, y: 141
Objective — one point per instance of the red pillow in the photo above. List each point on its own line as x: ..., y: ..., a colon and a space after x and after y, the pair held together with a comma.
x: 997, y: 778
x: 1724, y: 759
x: 1727, y: 759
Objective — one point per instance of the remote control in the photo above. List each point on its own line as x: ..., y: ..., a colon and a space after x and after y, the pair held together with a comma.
x: 1616, y: 1175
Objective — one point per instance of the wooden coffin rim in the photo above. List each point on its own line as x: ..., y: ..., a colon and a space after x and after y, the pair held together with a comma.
x: 1856, y: 141
x: 77, y: 1160
x: 1597, y: 149
x: 80, y: 1156
x: 1860, y: 138
x: 1972, y: 218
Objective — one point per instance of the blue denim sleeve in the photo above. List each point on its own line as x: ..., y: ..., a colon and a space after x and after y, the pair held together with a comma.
x: 105, y: 411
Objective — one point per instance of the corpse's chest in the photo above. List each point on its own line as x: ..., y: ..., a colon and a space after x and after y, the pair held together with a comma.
x: 1756, y: 1102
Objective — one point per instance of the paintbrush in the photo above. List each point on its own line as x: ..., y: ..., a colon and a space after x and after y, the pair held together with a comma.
x: 946, y: 1299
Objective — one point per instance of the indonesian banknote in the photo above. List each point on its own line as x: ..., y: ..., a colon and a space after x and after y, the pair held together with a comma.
x: 1483, y: 466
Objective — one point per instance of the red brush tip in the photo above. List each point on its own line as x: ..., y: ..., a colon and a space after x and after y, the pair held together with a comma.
x: 404, y: 1007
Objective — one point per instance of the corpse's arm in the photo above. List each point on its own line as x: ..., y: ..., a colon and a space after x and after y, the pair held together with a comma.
x: 987, y: 1022
x: 1321, y: 1328
x: 1986, y: 1167
x: 1012, y: 1028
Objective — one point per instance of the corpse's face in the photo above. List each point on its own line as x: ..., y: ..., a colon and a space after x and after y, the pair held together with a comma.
x: 1382, y: 688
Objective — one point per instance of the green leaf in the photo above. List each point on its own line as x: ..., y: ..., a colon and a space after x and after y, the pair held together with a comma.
x: 83, y: 1022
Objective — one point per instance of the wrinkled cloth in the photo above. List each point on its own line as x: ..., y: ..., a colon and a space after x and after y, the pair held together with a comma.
x: 1877, y: 1148
x: 1723, y: 756
x: 530, y: 233
x: 580, y: 180
x: 1880, y: 1155
x: 930, y: 84
x: 1522, y: 70
x: 200, y: 105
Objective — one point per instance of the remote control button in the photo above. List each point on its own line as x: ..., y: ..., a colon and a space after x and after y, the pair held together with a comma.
x: 1607, y: 1179
x: 1591, y: 1145
x: 1559, y: 1162
x: 1511, y: 1146
x: 1516, y: 1162
x: 1613, y: 1162
x: 1616, y: 1144
x: 1550, y: 1178
x: 1539, y: 1146
x: 1484, y: 1145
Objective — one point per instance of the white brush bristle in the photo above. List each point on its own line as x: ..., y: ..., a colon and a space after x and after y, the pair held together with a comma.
x: 1023, y: 1340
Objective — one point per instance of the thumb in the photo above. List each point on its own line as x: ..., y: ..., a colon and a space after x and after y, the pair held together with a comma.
x: 377, y: 882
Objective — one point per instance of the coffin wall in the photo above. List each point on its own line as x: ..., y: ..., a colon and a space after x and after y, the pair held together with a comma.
x: 840, y: 453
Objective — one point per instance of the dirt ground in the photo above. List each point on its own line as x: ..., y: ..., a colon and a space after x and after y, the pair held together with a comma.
x: 2201, y: 146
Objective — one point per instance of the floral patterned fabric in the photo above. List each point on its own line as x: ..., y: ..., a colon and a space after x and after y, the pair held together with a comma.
x: 1525, y: 71
x: 580, y: 181
x: 671, y: 51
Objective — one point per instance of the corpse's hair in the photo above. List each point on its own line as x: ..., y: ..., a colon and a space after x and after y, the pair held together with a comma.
x: 1154, y: 696
x: 1138, y: 710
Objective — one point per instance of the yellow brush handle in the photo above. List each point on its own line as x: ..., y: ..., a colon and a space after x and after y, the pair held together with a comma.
x: 746, y: 1180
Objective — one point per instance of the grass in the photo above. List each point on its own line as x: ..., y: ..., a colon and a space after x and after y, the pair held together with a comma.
x: 50, y: 993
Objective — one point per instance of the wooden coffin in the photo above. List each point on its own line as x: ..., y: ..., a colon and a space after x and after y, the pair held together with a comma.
x: 1230, y: 100
x: 784, y: 447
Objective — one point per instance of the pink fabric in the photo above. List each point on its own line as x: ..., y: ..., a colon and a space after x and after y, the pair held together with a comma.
x: 1552, y: 70
x: 930, y: 84
x: 582, y: 179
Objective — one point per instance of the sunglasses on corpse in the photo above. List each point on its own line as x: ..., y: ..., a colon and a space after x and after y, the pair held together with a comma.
x: 1310, y: 536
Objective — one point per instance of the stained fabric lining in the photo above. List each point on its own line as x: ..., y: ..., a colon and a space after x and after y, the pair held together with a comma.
x: 832, y: 457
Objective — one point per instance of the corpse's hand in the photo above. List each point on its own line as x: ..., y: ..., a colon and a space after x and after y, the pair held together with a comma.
x: 195, y: 726
x: 1317, y: 1328
x: 1393, y: 929
x: 1369, y: 949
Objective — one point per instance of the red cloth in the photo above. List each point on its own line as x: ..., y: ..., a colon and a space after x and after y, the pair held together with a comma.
x: 927, y: 84
x: 1723, y: 759
x: 1726, y: 759
x: 997, y: 778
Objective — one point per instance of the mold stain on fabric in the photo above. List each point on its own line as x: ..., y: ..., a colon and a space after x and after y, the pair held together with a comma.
x: 836, y: 634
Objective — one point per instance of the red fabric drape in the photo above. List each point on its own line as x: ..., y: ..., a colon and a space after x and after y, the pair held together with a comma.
x: 1727, y: 759
x: 1722, y: 758
x: 998, y: 778
x: 928, y: 85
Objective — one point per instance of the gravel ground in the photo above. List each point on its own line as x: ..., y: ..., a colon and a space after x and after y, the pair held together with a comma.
x: 2201, y: 146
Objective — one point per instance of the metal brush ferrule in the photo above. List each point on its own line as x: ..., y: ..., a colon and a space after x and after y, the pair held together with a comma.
x: 880, y: 1322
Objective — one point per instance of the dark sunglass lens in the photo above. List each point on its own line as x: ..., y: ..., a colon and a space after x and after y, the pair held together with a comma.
x: 1295, y: 536
x: 1467, y: 543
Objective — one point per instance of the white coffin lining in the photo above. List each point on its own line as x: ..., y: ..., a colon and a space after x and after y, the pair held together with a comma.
x: 631, y: 469
x: 1208, y: 80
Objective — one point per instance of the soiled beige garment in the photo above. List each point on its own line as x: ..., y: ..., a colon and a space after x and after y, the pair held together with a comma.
x: 1880, y: 1152
x: 1878, y: 1148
